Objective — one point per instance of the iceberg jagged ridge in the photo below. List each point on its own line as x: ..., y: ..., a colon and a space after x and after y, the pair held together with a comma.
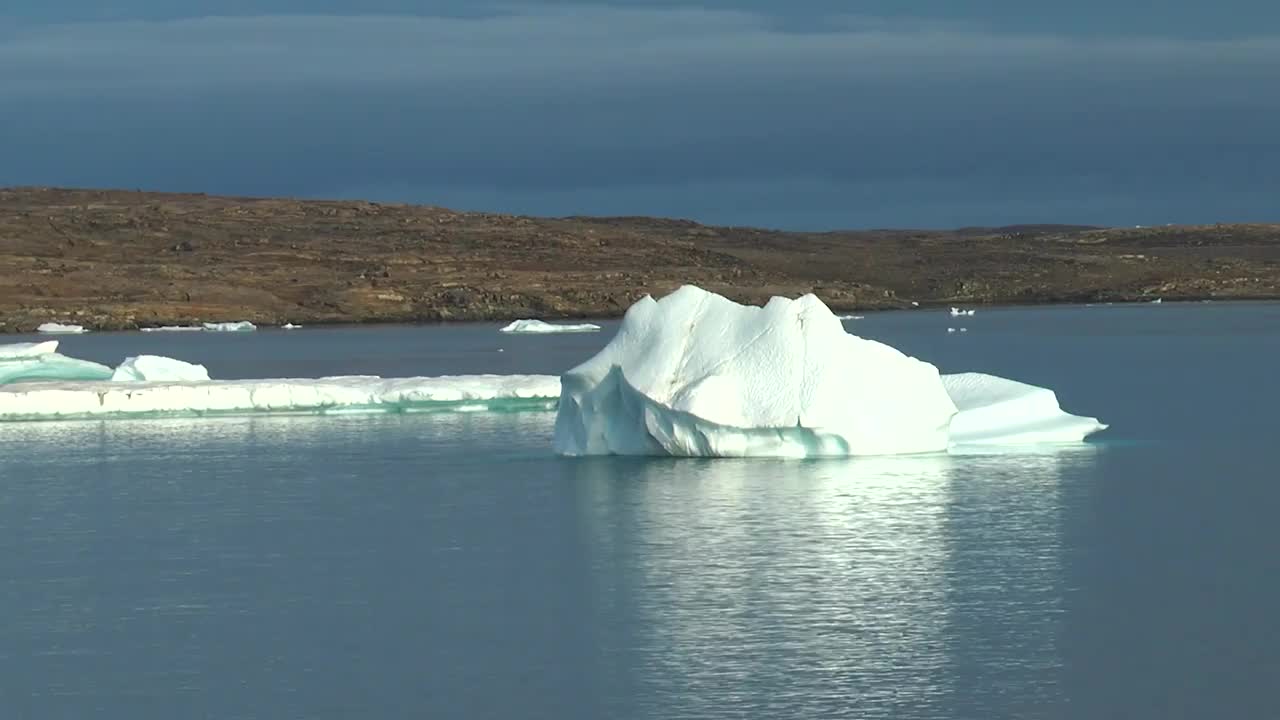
x: 695, y: 374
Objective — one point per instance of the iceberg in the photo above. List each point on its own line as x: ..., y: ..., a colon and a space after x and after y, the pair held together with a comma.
x: 957, y: 312
x: 53, y: 328
x: 174, y: 328
x: 38, y: 361
x: 538, y: 327
x: 343, y: 394
x: 696, y: 374
x: 241, y: 326
x: 290, y: 326
x: 150, y: 368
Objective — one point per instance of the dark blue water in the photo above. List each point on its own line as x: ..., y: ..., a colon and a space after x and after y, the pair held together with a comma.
x: 450, y: 566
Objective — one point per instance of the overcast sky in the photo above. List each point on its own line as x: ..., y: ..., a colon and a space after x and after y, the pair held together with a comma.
x: 826, y: 114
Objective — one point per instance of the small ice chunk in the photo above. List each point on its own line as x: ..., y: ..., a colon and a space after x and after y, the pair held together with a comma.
x: 13, y: 351
x: 957, y: 312
x: 539, y: 327
x: 54, y: 328
x: 289, y: 326
x: 241, y: 326
x: 849, y: 317
x: 153, y: 368
x: 174, y: 328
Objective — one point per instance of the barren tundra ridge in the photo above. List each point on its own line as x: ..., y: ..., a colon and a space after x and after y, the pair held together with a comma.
x: 108, y: 259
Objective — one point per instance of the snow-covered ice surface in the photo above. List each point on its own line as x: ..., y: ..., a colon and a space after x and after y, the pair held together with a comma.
x: 241, y: 326
x: 997, y: 411
x: 53, y: 328
x: 538, y: 327
x: 13, y: 351
x: 356, y: 393
x: 154, y: 368
x: 694, y: 374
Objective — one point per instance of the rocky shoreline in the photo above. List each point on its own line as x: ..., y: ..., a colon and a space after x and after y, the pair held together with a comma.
x: 123, y: 260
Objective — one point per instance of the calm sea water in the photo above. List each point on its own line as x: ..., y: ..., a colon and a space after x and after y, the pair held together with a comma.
x: 448, y: 566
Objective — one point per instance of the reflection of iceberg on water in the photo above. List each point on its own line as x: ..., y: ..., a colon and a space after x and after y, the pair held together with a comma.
x: 879, y: 572
x: 695, y: 374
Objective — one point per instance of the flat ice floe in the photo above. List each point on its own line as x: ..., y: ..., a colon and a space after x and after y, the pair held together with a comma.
x: 538, y: 327
x: 357, y: 393
x: 694, y: 374
x: 174, y: 328
x: 241, y: 326
x: 53, y: 328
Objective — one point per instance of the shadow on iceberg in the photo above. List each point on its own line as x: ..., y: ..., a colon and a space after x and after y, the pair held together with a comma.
x: 697, y: 375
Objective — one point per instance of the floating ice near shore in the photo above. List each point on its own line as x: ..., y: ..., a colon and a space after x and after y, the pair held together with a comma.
x: 242, y: 326
x: 540, y: 327
x: 849, y: 317
x: 21, y: 362
x: 694, y: 374
x: 53, y: 328
x: 153, y: 368
x: 346, y: 394
x: 290, y: 326
x: 957, y: 312
x: 174, y: 328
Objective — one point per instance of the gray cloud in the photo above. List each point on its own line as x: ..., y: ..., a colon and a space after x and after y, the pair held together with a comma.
x: 604, y: 109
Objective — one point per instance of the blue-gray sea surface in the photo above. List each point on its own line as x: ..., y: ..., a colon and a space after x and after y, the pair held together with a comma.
x: 449, y: 566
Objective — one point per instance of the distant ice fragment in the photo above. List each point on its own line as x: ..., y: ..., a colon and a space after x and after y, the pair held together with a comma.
x: 289, y: 326
x: 696, y: 374
x: 540, y: 327
x: 54, y: 328
x: 957, y: 312
x: 152, y: 368
x: 849, y: 317
x: 241, y: 326
x: 174, y: 328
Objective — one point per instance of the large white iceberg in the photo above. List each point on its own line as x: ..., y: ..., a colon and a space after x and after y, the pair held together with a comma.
x: 538, y: 327
x: 241, y: 326
x: 695, y: 374
x: 63, y: 400
x: 23, y: 362
x: 53, y: 328
x: 154, y: 368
